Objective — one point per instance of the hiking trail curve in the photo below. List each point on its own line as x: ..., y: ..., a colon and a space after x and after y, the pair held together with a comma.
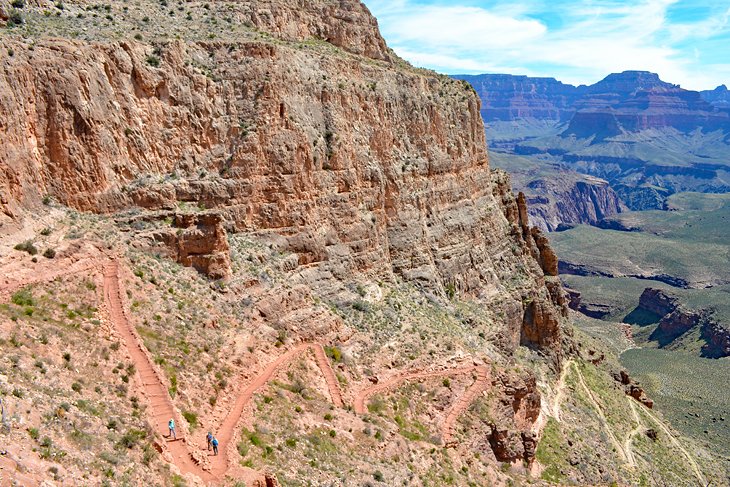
x: 448, y: 428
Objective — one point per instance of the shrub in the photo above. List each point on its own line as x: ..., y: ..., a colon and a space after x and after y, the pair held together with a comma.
x: 15, y: 18
x: 328, y: 417
x: 76, y: 387
x: 59, y: 5
x: 49, y: 253
x: 18, y: 3
x: 27, y: 246
x: 11, y: 52
x: 191, y: 418
x: 33, y: 432
x: 22, y: 298
x: 138, y: 36
x: 334, y: 353
x: 153, y: 61
x: 46, y: 231
x: 18, y: 393
x: 378, y: 475
x: 131, y: 438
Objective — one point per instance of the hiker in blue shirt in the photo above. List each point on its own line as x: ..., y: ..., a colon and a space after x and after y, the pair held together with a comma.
x: 171, y: 425
x: 214, y: 442
x: 209, y: 438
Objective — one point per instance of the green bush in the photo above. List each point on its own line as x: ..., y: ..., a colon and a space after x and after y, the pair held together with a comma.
x: 153, y: 61
x: 15, y: 18
x: 18, y: 3
x: 22, y: 298
x: 378, y: 475
x: 27, y: 246
x: 334, y: 353
x: 34, y: 433
x: 131, y: 438
x: 49, y: 253
x: 191, y: 418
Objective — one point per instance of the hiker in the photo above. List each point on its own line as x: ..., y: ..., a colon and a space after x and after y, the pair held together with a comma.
x: 171, y: 425
x: 214, y: 442
x: 209, y: 437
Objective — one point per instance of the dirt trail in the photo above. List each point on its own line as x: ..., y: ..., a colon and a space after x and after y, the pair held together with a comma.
x: 161, y: 408
x: 329, y: 375
x: 448, y: 429
x: 628, y: 442
x: 560, y: 390
x: 695, y: 468
x: 604, y: 421
x: 228, y: 427
x: 19, y: 277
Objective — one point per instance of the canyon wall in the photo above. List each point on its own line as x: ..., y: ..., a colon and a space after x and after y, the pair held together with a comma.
x: 358, y: 162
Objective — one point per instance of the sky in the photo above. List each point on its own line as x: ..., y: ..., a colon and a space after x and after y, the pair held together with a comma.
x: 576, y: 41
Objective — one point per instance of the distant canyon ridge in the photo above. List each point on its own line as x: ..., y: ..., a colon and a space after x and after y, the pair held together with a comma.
x: 584, y: 153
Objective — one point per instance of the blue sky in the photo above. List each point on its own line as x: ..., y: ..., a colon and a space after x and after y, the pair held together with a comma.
x: 580, y: 41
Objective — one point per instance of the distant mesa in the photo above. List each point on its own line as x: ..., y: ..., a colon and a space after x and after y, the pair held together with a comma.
x: 644, y: 137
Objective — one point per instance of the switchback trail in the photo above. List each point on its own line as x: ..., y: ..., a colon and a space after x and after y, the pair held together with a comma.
x: 161, y: 408
x: 228, y: 427
x: 448, y: 427
x: 448, y: 430
x: 692, y: 463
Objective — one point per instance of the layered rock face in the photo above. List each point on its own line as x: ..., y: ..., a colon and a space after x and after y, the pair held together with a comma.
x: 555, y: 202
x: 719, y: 97
x: 636, y: 100
x: 676, y: 320
x: 359, y: 165
x: 631, y: 129
x: 506, y: 97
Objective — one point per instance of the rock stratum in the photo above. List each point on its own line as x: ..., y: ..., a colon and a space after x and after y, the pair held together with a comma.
x: 647, y: 138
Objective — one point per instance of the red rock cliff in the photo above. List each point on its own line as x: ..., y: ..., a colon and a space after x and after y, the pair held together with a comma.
x: 361, y: 163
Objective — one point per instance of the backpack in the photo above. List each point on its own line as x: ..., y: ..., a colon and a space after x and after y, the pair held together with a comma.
x: 215, y: 442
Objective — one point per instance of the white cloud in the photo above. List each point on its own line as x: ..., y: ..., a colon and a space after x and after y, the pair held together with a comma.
x: 594, y: 38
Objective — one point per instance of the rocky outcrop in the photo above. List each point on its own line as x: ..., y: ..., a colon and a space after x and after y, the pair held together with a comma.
x: 511, y: 431
x: 632, y: 388
x: 658, y: 301
x: 565, y: 199
x: 676, y: 319
x: 717, y: 338
x: 200, y: 242
x: 719, y: 97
